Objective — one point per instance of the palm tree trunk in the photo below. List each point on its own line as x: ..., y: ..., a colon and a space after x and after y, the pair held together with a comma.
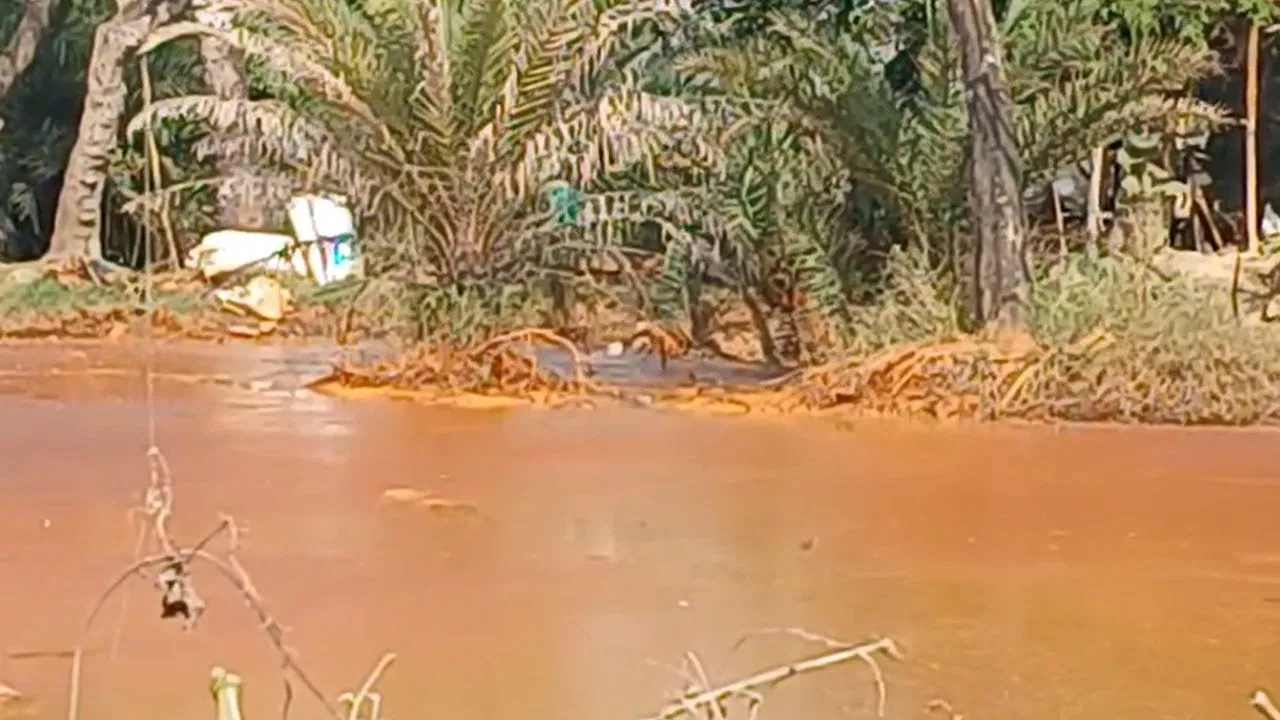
x: 25, y: 41
x: 995, y: 171
x: 77, y: 225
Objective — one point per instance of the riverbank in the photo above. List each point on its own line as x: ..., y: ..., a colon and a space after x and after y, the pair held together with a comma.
x: 1107, y: 343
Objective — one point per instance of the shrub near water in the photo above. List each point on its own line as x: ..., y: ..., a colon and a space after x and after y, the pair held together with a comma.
x: 1112, y: 342
x: 1169, y: 351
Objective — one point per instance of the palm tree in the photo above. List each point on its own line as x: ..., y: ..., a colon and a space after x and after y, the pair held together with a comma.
x: 448, y: 124
x: 77, y: 224
x: 894, y: 150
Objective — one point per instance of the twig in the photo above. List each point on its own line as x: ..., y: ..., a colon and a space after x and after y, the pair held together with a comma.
x: 1262, y: 703
x: 44, y: 654
x: 225, y: 525
x: 1235, y: 286
x: 233, y: 571
x: 801, y: 633
x: 776, y: 675
x: 833, y: 644
x: 717, y: 711
x: 358, y: 699
x: 288, y: 698
x: 73, y: 705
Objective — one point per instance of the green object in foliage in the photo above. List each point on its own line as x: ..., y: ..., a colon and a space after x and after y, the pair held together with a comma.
x: 566, y: 205
x: 225, y: 687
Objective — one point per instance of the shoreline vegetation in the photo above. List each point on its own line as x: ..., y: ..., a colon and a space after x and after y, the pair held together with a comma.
x: 1185, y: 354
x: 817, y: 192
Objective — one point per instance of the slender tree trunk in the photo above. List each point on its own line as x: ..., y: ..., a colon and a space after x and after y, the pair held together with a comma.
x: 995, y: 172
x: 1251, y: 214
x: 1095, y: 198
x: 25, y: 41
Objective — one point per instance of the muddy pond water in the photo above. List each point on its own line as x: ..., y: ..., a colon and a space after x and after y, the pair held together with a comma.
x: 1025, y: 572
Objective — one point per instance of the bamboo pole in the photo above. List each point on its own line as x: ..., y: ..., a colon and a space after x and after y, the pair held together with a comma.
x: 153, y: 166
x: 1254, y: 244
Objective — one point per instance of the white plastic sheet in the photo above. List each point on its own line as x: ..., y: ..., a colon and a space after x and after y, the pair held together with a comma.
x: 321, y: 247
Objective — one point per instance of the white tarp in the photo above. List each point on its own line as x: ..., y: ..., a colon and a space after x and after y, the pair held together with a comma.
x: 320, y: 248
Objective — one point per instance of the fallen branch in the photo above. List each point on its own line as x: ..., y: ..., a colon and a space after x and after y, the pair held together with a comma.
x: 747, y: 687
x: 1262, y: 703
x: 579, y: 365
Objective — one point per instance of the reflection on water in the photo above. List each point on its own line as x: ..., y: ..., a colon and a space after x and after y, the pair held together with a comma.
x: 1025, y: 572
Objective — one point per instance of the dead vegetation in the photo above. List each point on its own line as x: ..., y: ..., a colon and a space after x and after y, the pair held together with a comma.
x: 1177, y: 359
x: 504, y: 365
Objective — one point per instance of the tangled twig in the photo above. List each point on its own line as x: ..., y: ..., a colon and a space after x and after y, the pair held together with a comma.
x: 179, y: 594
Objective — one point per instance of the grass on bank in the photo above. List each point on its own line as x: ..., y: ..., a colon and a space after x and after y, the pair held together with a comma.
x: 1110, y: 340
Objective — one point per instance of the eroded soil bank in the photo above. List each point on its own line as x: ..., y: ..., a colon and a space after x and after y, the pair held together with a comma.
x: 1026, y: 572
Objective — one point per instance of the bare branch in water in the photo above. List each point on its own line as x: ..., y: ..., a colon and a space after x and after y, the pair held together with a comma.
x: 747, y: 687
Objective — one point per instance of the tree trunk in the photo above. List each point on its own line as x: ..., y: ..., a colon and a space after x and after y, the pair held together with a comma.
x: 24, y: 43
x: 224, y: 71
x: 77, y: 225
x: 1095, y: 199
x: 1251, y: 214
x: 995, y: 172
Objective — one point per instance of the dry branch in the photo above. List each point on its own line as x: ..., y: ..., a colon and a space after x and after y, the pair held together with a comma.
x: 748, y: 687
x: 357, y: 699
x: 179, y: 594
x: 579, y: 366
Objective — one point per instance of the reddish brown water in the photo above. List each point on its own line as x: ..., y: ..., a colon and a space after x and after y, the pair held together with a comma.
x: 1026, y: 573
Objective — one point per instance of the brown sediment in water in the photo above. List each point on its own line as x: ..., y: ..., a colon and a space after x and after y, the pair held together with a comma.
x: 1076, y: 572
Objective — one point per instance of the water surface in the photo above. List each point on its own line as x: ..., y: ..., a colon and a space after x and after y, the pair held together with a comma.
x: 1025, y: 572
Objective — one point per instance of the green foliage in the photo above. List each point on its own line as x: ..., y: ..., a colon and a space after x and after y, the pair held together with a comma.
x: 186, y: 155
x: 47, y: 296
x: 844, y: 156
x: 809, y: 153
x: 1193, y: 21
x: 1168, y: 351
x: 448, y: 123
x: 38, y: 121
x: 917, y: 304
